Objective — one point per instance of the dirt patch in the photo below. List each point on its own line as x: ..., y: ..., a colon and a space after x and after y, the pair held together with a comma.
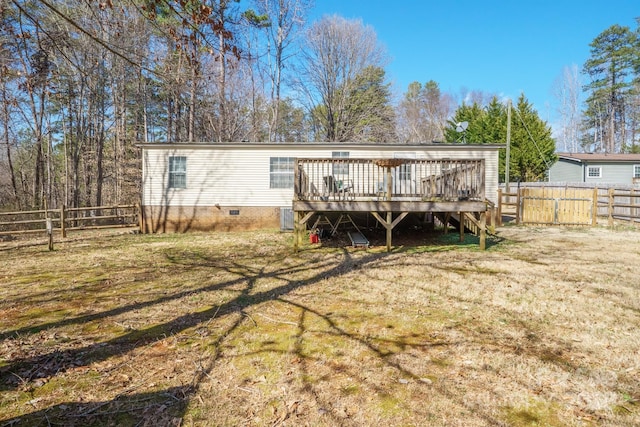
x: 236, y: 329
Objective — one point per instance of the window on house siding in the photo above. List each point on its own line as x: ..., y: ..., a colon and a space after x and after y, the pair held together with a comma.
x: 281, y: 172
x: 636, y: 171
x: 177, y: 172
x: 594, y: 172
x: 340, y: 168
x: 404, y: 171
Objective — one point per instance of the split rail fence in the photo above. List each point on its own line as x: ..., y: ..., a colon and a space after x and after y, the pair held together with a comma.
x: 548, y: 205
x: 68, y: 219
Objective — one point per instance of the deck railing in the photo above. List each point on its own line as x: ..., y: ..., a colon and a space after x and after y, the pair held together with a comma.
x: 389, y: 179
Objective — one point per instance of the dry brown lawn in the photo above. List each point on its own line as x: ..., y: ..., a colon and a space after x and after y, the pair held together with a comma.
x: 229, y: 329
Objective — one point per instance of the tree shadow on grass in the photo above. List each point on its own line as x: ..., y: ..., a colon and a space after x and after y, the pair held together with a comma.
x: 170, y: 404
x: 161, y: 408
x: 20, y: 371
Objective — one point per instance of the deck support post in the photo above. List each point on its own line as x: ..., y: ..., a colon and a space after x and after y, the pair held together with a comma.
x: 300, y: 219
x: 388, y: 224
x: 483, y: 230
x: 447, y: 217
x: 462, y: 214
x: 297, y: 239
x: 389, y: 228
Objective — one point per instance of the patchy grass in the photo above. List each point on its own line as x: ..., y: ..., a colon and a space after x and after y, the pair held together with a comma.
x: 235, y: 329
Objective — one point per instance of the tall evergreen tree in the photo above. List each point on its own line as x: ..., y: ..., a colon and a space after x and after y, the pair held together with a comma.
x: 493, y: 123
x: 369, y: 115
x: 610, y: 69
x: 470, y: 114
x: 532, y: 147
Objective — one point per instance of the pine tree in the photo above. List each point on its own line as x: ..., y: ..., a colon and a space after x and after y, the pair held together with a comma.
x: 610, y: 69
x: 368, y: 115
x: 471, y: 114
x: 532, y: 147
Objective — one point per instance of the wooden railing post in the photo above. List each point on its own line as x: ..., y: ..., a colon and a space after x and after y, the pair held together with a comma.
x: 296, y: 180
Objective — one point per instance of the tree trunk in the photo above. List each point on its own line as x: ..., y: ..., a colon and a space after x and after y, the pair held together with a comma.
x: 7, y: 141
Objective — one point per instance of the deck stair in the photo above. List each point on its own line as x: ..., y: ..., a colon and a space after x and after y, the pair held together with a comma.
x: 471, y: 224
x: 454, y: 220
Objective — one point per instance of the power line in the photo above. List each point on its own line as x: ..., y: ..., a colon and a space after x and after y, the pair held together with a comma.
x: 546, y: 163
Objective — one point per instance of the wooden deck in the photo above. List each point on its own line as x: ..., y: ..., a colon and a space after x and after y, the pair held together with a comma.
x: 384, y: 187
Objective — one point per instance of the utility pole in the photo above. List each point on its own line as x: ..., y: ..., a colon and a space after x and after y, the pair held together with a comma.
x: 508, y: 153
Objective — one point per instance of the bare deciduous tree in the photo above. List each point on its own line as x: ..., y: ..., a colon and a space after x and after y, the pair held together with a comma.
x: 285, y: 20
x: 567, y: 90
x: 423, y: 113
x: 337, y: 50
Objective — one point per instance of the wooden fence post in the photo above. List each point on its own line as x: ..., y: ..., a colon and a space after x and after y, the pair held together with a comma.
x: 594, y: 209
x: 493, y: 219
x: 140, y: 217
x: 499, y: 213
x: 518, y: 206
x: 49, y: 225
x: 633, y: 211
x: 63, y: 229
x: 611, y: 190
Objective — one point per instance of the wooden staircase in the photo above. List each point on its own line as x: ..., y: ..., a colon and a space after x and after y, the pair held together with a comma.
x: 471, y: 222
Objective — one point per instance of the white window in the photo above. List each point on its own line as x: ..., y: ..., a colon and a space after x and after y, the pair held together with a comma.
x: 177, y: 172
x: 636, y: 171
x: 594, y: 172
x: 281, y: 172
x: 340, y: 168
x: 404, y: 171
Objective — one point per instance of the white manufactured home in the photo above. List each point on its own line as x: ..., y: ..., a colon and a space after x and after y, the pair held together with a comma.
x: 213, y: 186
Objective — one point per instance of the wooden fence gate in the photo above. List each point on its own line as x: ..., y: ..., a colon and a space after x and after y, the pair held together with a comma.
x: 558, y: 206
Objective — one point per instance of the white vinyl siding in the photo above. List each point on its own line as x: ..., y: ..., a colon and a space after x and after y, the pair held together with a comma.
x: 240, y: 175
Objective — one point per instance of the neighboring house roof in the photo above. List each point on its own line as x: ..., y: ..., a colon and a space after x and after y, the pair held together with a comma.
x: 600, y: 157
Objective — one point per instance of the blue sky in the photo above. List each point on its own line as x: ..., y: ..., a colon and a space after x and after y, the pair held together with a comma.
x: 501, y: 47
